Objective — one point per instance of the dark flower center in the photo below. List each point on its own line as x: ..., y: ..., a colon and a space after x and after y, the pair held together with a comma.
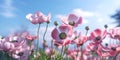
x: 113, y: 48
x: 21, y: 54
x: 14, y: 41
x: 62, y: 35
x: 116, y: 36
x: 106, y: 44
x: 98, y: 38
x: 72, y: 23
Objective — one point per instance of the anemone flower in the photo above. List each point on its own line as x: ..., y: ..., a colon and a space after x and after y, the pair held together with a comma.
x: 49, y: 51
x: 61, y: 35
x: 80, y: 40
x: 115, y: 33
x: 98, y: 35
x: 92, y: 47
x: 108, y: 51
x: 31, y: 38
x: 72, y: 20
x: 38, y: 18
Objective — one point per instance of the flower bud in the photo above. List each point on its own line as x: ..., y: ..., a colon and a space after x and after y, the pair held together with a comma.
x: 87, y: 28
x: 106, y: 26
x: 55, y: 23
x: 48, y: 22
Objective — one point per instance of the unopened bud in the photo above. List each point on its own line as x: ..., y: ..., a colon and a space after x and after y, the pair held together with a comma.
x: 48, y: 22
x: 106, y: 26
x: 55, y: 23
x: 87, y: 28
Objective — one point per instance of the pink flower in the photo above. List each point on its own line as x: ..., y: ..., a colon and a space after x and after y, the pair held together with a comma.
x: 115, y: 33
x: 98, y: 35
x: 7, y: 46
x: 62, y: 34
x: 17, y: 45
x: 73, y: 53
x: 44, y: 44
x: 72, y: 20
x: 49, y: 51
x: 38, y: 18
x: 92, y: 47
x: 80, y: 40
x: 31, y: 38
x: 108, y: 51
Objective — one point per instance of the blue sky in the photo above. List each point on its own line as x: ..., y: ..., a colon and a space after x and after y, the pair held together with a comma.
x: 96, y: 13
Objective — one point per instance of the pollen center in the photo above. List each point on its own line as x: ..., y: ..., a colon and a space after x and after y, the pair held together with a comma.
x: 72, y: 23
x: 98, y: 38
x: 62, y: 35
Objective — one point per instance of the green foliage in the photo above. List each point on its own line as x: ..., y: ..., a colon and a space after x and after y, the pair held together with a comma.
x: 43, y: 56
x: 5, y: 56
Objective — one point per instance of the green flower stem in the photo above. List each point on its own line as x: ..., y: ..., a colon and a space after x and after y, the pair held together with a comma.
x: 81, y: 53
x: 61, y: 51
x: 10, y: 56
x: 5, y: 56
x: 38, y: 39
x: 45, y: 32
x: 86, y: 33
x: 115, y: 57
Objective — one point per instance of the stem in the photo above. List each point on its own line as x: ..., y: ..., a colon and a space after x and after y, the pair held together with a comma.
x: 5, y: 56
x: 114, y: 58
x: 86, y: 33
x: 61, y: 51
x: 10, y: 56
x: 51, y: 43
x: 81, y: 53
x: 45, y: 32
x: 38, y: 38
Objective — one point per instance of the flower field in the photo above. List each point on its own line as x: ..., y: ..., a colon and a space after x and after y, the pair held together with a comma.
x: 88, y: 46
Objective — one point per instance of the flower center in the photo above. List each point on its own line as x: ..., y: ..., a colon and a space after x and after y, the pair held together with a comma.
x: 21, y: 54
x: 72, y: 23
x: 98, y: 38
x: 116, y: 36
x: 62, y: 35
x: 113, y: 48
x: 106, y: 44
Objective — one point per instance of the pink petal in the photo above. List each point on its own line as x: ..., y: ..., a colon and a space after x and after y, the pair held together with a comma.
x: 48, y: 17
x: 72, y: 17
x: 63, y: 28
x: 78, y: 22
x: 31, y: 19
x: 104, y: 33
x: 28, y: 16
x: 55, y: 34
x: 96, y: 33
x: 70, y: 33
x: 41, y: 19
x: 38, y: 14
x: 66, y: 42
x: 118, y: 49
x: 64, y: 20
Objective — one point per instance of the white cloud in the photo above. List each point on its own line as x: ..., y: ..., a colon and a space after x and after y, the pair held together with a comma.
x: 59, y: 16
x: 85, y: 21
x: 82, y: 13
x: 8, y: 9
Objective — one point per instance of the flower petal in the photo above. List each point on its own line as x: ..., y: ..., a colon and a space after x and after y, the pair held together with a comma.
x: 55, y: 34
x: 72, y: 17
x: 78, y: 22
x: 63, y: 28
